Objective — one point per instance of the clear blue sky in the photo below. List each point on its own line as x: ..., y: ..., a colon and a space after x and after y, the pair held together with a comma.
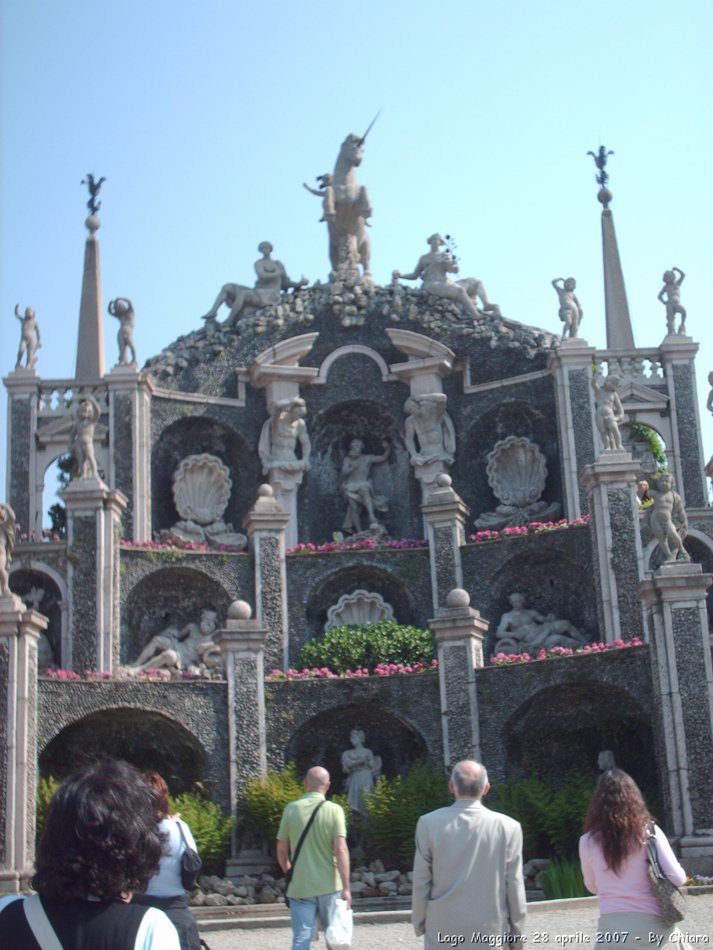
x: 206, y: 118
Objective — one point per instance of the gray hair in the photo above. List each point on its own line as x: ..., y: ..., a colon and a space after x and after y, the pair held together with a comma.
x: 469, y: 779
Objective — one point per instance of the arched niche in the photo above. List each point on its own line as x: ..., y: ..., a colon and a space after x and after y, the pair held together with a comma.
x: 322, y: 739
x: 352, y: 578
x: 39, y: 591
x: 563, y: 729
x: 645, y: 443
x: 552, y: 583
x: 534, y: 420
x: 332, y: 430
x: 169, y: 596
x: 192, y: 436
x: 145, y: 739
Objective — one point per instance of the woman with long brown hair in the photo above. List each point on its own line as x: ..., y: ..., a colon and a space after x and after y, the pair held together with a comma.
x: 614, y: 864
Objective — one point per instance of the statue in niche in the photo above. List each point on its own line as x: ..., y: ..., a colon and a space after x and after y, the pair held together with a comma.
x: 570, y: 312
x: 517, y: 474
x: 326, y: 193
x: 86, y: 418
x: 477, y: 292
x: 175, y: 649
x: 606, y: 760
x: 433, y: 269
x: 201, y: 491
x: 609, y: 411
x: 362, y: 768
x: 271, y: 281
x: 45, y: 653
x: 358, y: 490
x: 123, y: 310
x: 523, y: 629
x: 280, y: 434
x: 30, y: 340
x: 429, y: 432
x: 668, y: 521
x: 670, y: 297
x: 347, y: 210
x: 7, y: 543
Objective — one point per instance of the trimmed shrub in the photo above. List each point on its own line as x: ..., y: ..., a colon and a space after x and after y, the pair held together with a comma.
x: 346, y: 648
x: 211, y: 828
x: 393, y: 809
x: 45, y: 790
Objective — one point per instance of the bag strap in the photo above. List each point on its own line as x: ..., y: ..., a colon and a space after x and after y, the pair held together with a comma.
x: 183, y: 837
x: 304, y: 833
x: 39, y: 924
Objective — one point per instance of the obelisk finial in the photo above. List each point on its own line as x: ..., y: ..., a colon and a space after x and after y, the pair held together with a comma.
x: 600, y: 160
x: 94, y: 187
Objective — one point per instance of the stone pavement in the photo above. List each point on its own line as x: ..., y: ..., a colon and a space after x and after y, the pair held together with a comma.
x: 567, y: 924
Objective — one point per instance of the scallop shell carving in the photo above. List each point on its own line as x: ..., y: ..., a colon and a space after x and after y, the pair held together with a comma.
x: 358, y: 609
x: 201, y: 488
x: 517, y: 471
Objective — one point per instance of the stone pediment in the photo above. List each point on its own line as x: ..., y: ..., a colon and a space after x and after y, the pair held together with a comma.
x: 638, y: 396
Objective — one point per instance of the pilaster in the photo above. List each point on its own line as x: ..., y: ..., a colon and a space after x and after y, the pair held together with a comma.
x: 616, y: 543
x: 460, y: 632
x: 572, y: 367
x: 19, y: 632
x: 129, y: 434
x: 93, y: 533
x: 23, y: 390
x: 677, y: 356
x: 266, y: 525
x: 675, y: 601
x: 444, y: 514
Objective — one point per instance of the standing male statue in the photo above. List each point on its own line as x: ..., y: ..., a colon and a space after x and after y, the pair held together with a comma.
x: 609, y: 411
x: 280, y: 435
x: 30, y: 340
x: 668, y: 521
x: 123, y: 310
x: 467, y: 872
x: 357, y: 487
x: 429, y: 432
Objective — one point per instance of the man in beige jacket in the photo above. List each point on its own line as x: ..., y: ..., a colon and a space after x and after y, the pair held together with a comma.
x: 468, y: 887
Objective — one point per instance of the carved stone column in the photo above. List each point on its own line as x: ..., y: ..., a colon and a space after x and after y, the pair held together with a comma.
x: 459, y: 631
x: 677, y: 357
x: 675, y: 601
x: 444, y: 514
x: 19, y: 632
x: 266, y: 523
x: 93, y: 532
x: 572, y: 366
x: 616, y: 544
x: 242, y: 645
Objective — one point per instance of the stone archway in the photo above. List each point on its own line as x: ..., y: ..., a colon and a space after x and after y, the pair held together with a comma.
x: 147, y: 740
x: 563, y: 729
x: 322, y: 739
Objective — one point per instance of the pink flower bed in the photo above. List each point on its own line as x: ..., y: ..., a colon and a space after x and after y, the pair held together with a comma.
x: 381, y: 669
x: 365, y: 544
x: 534, y: 527
x: 509, y: 659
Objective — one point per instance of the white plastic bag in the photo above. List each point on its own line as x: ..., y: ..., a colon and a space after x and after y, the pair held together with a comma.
x: 339, y: 932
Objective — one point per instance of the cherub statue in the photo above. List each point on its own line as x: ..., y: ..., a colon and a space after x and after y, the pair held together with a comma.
x: 123, y: 310
x: 609, y: 411
x: 670, y: 296
x: 429, y: 432
x: 326, y: 193
x: 7, y: 543
x: 280, y: 435
x: 271, y: 280
x: 570, y: 312
x: 82, y: 438
x: 94, y: 189
x: 668, y: 521
x: 433, y: 269
x: 30, y: 340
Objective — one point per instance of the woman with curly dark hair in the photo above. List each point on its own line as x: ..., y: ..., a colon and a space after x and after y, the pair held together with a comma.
x: 614, y: 864
x: 165, y: 889
x: 100, y: 846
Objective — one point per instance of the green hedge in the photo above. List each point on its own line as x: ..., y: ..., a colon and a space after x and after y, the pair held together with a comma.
x: 347, y: 648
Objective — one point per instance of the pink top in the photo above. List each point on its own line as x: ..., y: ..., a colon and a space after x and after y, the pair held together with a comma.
x: 629, y: 890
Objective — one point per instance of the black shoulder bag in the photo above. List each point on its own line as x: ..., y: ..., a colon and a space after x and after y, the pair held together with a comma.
x: 288, y: 873
x: 191, y: 863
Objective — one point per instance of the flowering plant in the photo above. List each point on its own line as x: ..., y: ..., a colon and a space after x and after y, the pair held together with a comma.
x: 148, y: 545
x: 510, y: 659
x: 381, y: 669
x: 52, y: 674
x: 534, y: 527
x: 364, y: 544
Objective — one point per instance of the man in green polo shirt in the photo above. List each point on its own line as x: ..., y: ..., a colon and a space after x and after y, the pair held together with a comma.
x: 321, y: 873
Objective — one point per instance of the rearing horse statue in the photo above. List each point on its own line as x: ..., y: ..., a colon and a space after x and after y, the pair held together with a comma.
x: 349, y: 243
